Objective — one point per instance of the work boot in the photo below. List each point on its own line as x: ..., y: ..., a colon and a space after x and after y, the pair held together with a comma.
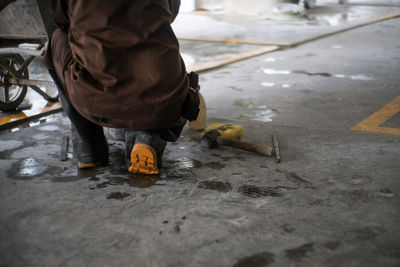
x: 144, y: 150
x: 89, y: 152
x: 172, y: 134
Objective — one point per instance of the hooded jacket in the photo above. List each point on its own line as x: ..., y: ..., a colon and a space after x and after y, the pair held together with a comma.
x: 119, y: 61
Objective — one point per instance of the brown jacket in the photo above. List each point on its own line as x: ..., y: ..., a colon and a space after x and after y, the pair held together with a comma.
x: 119, y: 61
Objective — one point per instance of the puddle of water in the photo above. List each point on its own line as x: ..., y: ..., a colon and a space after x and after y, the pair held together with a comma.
x: 285, y: 85
x: 72, y: 174
x: 264, y: 114
x: 184, y: 163
x: 31, y: 167
x: 113, y: 181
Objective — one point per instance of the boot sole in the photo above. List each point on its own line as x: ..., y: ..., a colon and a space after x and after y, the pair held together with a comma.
x: 87, y: 165
x: 144, y: 160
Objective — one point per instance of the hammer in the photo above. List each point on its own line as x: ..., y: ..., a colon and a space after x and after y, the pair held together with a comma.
x: 212, y: 138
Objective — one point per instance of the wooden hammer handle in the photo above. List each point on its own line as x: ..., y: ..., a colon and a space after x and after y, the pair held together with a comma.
x: 263, y: 150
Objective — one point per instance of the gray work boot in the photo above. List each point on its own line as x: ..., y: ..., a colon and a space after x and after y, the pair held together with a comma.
x: 89, y: 153
x: 144, y: 150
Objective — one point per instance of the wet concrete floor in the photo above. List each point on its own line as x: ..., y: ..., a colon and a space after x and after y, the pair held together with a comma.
x: 332, y: 201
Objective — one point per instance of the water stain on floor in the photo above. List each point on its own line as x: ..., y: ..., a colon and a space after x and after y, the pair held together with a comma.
x: 323, y: 74
x: 351, y: 197
x: 212, y: 165
x: 256, y: 192
x: 118, y: 195
x: 110, y: 181
x: 216, y: 186
x: 294, y: 177
x: 332, y: 245
x: 256, y: 260
x: 299, y: 252
x: 287, y: 228
x: 143, y: 180
x: 367, y: 233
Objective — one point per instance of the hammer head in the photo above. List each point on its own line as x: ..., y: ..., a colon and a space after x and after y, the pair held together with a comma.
x: 209, y: 139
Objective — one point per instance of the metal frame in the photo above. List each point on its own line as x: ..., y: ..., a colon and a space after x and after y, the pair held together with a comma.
x: 10, y: 46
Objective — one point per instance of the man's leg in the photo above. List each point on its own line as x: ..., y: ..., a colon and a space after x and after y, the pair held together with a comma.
x: 89, y: 143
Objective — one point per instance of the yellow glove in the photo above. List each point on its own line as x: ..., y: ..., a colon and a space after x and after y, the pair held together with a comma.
x: 226, y: 130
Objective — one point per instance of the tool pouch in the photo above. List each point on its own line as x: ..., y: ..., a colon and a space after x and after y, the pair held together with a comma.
x: 190, y: 109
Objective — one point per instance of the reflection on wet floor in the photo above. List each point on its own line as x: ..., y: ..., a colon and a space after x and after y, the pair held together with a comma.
x: 175, y: 170
x: 186, y: 164
x: 259, y: 113
x: 31, y: 167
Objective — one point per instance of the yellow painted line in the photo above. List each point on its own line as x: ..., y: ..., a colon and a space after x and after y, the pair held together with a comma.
x: 231, y: 41
x: 14, y: 119
x: 391, y: 16
x: 287, y: 44
x: 225, y: 61
x: 363, y: 24
x: 373, y: 122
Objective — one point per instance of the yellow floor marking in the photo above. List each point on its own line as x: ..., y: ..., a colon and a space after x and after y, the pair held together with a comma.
x: 225, y: 61
x: 373, y: 122
x: 391, y: 16
x: 287, y: 44
x: 12, y: 118
x: 9, y: 121
x: 231, y: 41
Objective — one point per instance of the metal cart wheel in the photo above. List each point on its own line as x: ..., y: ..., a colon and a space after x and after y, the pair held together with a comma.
x: 12, y: 66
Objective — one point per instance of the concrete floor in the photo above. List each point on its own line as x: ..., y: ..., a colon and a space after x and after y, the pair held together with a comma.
x: 332, y: 201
